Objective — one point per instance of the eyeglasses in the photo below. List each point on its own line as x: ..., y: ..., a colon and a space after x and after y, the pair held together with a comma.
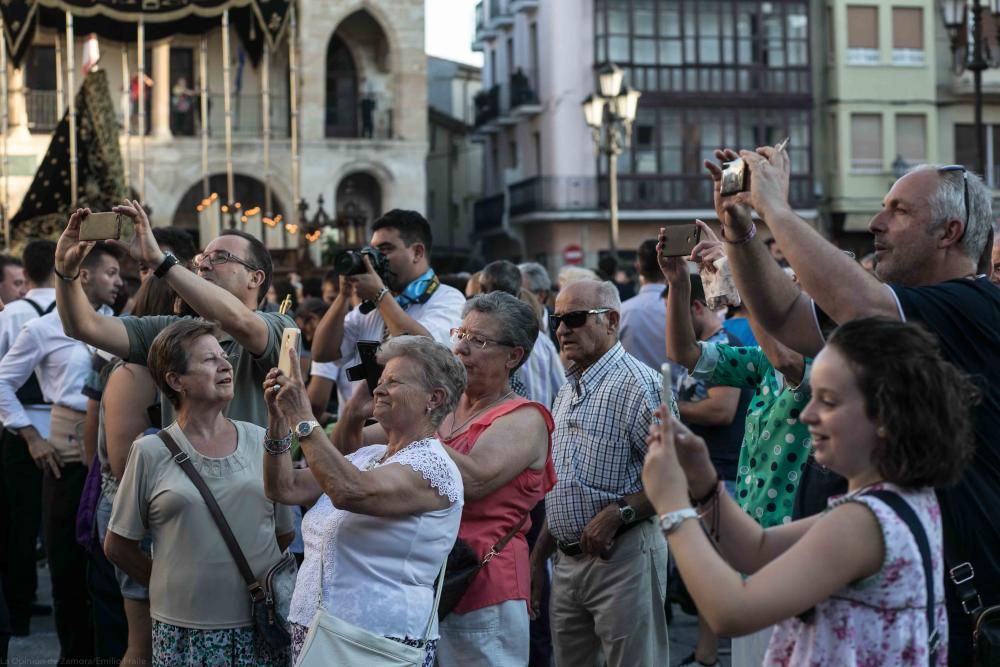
x: 575, y: 319
x: 221, y: 257
x: 475, y: 340
x: 965, y: 179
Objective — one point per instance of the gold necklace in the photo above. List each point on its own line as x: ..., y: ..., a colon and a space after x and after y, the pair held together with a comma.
x: 474, y: 415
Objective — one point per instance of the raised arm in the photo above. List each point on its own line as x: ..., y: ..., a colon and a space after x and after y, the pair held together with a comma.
x: 854, y: 293
x: 798, y: 567
x: 682, y: 344
x: 391, y: 490
x: 208, y: 300
x: 510, y: 445
x: 330, y: 330
x: 78, y: 316
x: 283, y: 483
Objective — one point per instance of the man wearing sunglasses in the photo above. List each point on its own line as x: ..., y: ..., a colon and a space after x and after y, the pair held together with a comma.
x: 930, y: 237
x: 609, y: 577
x: 226, y: 284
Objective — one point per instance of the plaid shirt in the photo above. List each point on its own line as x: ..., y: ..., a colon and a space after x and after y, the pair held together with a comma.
x: 602, y: 418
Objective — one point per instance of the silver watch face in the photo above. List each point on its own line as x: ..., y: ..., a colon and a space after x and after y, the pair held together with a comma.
x: 627, y: 514
x: 304, y: 428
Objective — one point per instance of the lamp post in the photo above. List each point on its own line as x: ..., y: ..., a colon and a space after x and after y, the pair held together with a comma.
x: 967, y: 16
x: 610, y: 113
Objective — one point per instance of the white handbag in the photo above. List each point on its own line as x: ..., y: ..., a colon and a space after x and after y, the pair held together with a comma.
x: 333, y: 642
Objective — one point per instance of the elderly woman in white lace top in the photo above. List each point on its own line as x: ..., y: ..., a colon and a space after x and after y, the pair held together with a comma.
x: 385, y: 516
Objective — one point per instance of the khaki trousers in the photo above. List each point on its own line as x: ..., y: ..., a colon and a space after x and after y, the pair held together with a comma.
x: 614, y: 607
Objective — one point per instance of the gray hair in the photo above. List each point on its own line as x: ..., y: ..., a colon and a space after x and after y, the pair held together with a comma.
x: 502, y: 276
x: 537, y: 277
x: 516, y: 318
x: 608, y: 296
x: 948, y: 203
x: 440, y: 368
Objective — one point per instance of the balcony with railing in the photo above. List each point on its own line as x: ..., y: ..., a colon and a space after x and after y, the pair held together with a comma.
x: 635, y: 192
x: 527, y: 6
x: 487, y: 104
x: 487, y: 215
x: 247, y: 116
x: 524, y: 93
x: 500, y: 15
x: 485, y: 31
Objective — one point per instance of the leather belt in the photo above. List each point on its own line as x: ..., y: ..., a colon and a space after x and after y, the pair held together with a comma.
x: 575, y: 550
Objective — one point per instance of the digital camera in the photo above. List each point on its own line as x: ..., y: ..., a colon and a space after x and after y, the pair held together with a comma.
x: 351, y: 262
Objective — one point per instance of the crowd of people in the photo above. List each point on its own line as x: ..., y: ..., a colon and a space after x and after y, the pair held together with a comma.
x: 800, y: 449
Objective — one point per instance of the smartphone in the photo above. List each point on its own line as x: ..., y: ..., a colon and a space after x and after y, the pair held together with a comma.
x: 680, y: 240
x: 289, y: 341
x: 101, y: 227
x: 735, y: 178
x: 666, y: 383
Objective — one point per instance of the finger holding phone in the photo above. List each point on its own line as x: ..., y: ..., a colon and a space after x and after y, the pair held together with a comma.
x: 70, y: 250
x: 673, y: 267
x: 141, y: 244
x: 771, y: 170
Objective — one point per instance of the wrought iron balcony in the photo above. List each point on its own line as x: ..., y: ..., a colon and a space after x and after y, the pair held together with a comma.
x: 487, y: 215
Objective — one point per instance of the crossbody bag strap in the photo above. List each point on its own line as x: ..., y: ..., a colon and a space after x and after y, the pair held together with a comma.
x: 961, y: 574
x: 909, y: 517
x: 184, y: 461
x: 437, y: 601
x: 498, y: 547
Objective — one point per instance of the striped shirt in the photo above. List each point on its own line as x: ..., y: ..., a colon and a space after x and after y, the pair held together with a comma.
x: 602, y: 417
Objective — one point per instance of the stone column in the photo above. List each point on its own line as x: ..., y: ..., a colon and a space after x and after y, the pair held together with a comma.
x: 16, y: 108
x: 161, y: 90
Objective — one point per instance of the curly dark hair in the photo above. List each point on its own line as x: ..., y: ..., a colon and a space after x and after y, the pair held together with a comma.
x: 923, y: 402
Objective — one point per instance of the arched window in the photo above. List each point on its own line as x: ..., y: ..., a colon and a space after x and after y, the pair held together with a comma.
x: 341, y: 90
x: 248, y: 191
x: 359, y: 203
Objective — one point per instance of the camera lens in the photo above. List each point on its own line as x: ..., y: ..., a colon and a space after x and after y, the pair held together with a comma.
x: 348, y: 263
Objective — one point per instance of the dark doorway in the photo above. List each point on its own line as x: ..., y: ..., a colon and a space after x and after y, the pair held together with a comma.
x: 341, y: 90
x: 248, y: 191
x: 359, y: 203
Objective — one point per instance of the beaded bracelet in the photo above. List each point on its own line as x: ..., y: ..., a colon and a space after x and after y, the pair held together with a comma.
x: 66, y: 278
x: 283, y: 444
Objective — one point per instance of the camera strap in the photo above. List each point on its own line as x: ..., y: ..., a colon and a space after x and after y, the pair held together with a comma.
x: 419, y: 290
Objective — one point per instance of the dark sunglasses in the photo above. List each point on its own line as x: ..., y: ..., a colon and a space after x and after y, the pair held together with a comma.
x: 575, y: 319
x: 965, y: 179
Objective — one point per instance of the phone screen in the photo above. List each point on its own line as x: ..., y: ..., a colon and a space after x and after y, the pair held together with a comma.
x: 666, y: 383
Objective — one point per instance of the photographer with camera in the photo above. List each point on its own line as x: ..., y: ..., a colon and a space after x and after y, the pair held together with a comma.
x: 400, y: 293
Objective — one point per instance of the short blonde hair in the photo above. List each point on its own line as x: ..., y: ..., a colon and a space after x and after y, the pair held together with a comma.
x: 439, y: 368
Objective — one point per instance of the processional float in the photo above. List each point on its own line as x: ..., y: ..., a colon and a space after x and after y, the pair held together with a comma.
x: 62, y: 181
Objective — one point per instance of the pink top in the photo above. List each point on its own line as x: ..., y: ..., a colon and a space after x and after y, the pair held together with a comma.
x: 487, y: 520
x: 880, y: 620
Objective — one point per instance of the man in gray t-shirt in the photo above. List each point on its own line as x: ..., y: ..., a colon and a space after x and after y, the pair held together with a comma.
x: 229, y: 280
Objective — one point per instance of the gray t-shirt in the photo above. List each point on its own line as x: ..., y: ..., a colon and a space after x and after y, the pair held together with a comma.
x: 195, y: 583
x: 248, y: 370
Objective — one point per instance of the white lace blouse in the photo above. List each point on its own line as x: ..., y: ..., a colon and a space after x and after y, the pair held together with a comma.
x: 379, y: 572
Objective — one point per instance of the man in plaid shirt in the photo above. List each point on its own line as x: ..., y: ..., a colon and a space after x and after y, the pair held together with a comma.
x: 610, y: 567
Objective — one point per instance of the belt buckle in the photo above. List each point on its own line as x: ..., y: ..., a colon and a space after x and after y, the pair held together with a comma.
x: 570, y: 548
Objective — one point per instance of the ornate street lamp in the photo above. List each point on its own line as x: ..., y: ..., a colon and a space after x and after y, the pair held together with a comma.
x: 965, y: 18
x: 609, y: 114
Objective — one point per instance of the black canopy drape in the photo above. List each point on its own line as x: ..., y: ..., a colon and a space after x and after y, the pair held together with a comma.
x: 256, y: 21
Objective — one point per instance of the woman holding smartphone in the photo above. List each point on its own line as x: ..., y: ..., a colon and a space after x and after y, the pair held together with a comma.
x: 846, y: 586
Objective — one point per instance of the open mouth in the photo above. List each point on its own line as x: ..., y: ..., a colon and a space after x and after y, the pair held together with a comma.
x: 225, y: 381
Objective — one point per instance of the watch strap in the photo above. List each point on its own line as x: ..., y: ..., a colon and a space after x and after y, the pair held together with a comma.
x: 169, y: 261
x: 671, y: 521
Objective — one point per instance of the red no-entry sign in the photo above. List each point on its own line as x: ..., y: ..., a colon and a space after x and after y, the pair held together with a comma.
x: 573, y: 254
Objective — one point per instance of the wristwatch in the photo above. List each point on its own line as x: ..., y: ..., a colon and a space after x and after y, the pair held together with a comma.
x: 168, y: 263
x: 671, y: 521
x: 305, y: 428
x: 625, y: 512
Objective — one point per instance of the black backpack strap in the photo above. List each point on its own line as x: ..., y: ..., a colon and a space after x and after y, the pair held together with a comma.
x: 909, y: 517
x: 38, y: 309
x: 184, y: 461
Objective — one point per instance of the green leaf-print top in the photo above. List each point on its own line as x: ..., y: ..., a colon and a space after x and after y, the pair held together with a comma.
x: 775, y: 443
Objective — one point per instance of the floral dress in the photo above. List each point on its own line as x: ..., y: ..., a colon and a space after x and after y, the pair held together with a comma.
x: 879, y: 621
